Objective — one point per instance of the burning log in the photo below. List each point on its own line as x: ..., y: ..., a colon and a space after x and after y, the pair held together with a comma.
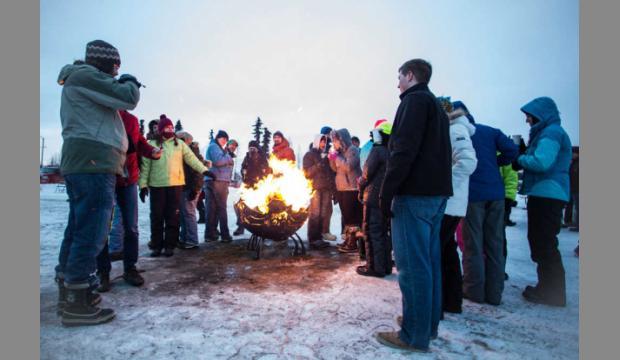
x: 276, y: 206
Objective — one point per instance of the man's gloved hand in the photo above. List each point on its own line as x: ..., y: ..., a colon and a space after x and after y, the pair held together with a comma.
x: 144, y: 192
x: 192, y: 195
x: 209, y: 174
x: 386, y: 206
x: 126, y: 77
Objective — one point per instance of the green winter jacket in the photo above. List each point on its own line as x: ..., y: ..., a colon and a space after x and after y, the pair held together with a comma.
x: 94, y: 138
x: 168, y: 170
x: 511, y: 181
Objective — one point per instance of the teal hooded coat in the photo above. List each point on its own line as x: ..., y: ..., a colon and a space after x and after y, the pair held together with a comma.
x: 547, y: 159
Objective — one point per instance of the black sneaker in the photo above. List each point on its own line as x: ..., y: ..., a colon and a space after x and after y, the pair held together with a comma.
x: 133, y: 277
x: 211, y: 238
x: 168, y: 252
x: 239, y: 231
x: 227, y: 239
x: 156, y: 253
x: 366, y: 271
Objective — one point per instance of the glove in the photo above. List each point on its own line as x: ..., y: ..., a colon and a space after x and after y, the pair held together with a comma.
x: 332, y: 156
x: 516, y: 166
x: 323, y: 155
x: 144, y: 192
x: 157, y: 153
x: 522, y: 147
x: 192, y: 195
x: 209, y: 174
x: 386, y: 206
x: 126, y: 77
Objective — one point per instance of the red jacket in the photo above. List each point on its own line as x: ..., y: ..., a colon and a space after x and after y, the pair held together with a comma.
x: 137, y: 147
x: 284, y: 151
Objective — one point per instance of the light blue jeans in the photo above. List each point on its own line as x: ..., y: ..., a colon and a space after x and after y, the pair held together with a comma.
x: 189, y: 224
x: 417, y: 252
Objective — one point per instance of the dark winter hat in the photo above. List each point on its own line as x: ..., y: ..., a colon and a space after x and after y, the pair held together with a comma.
x: 253, y: 143
x: 163, y: 122
x: 101, y: 52
x: 278, y: 133
x: 153, y: 122
x: 325, y: 130
x: 221, y: 134
x: 459, y: 105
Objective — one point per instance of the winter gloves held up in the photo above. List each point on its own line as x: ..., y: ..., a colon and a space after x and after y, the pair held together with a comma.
x: 126, y: 77
x: 522, y: 149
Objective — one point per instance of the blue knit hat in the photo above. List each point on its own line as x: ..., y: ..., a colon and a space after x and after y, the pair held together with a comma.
x: 459, y: 105
x: 325, y: 130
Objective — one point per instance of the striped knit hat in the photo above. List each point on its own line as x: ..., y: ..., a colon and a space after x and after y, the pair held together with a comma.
x: 102, y: 52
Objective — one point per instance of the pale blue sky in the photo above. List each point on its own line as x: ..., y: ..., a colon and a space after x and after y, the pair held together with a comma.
x: 300, y: 65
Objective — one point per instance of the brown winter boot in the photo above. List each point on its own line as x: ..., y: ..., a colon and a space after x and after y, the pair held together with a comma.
x: 350, y: 241
x: 78, y: 311
x: 93, y: 297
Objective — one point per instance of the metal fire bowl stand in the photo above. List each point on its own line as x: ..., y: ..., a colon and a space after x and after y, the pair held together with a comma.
x: 270, y: 226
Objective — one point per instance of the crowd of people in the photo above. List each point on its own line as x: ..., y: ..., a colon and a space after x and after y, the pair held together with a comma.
x: 432, y: 173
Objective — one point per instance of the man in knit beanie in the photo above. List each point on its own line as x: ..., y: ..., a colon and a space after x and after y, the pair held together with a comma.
x: 93, y: 153
x: 216, y: 190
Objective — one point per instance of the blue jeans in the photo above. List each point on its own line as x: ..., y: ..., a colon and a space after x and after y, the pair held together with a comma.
x: 189, y: 225
x: 91, y: 199
x: 415, y: 239
x: 216, y: 197
x: 117, y: 233
x: 127, y: 204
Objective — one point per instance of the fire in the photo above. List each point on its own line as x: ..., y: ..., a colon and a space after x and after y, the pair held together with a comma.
x: 287, y: 185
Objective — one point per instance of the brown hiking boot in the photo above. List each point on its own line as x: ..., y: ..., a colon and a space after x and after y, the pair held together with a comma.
x: 399, y: 321
x: 391, y: 339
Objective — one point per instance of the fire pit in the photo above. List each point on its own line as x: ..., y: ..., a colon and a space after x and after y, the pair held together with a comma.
x: 276, y: 207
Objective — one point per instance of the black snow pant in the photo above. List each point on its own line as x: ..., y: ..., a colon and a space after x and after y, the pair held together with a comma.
x: 351, y: 208
x: 320, y: 213
x: 544, y: 221
x: 451, y: 277
x: 483, y: 252
x: 165, y: 203
x: 377, y: 241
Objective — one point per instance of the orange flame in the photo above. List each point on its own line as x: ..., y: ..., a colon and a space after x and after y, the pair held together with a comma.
x: 287, y: 183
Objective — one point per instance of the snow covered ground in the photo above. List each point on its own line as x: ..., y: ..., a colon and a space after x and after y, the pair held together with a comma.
x: 216, y: 302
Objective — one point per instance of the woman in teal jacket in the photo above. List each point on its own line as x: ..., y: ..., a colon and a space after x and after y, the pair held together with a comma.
x: 545, y: 181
